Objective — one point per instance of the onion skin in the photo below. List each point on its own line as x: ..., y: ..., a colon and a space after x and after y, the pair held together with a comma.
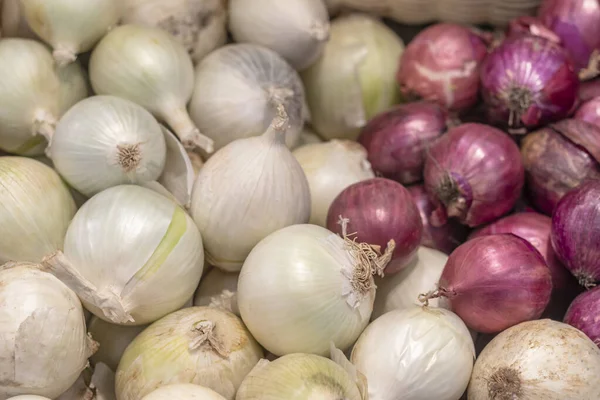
x: 494, y: 282
x: 557, y: 159
x: 528, y: 81
x: 380, y: 210
x: 590, y: 111
x: 473, y: 173
x: 528, y: 25
x: 445, y: 238
x: 396, y: 139
x: 583, y: 314
x: 576, y: 232
x: 442, y: 64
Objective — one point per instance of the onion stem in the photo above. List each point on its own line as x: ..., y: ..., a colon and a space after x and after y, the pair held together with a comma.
x: 203, y: 332
x: 184, y: 128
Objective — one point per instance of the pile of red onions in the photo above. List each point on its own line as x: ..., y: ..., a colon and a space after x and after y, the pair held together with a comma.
x: 528, y: 81
x: 589, y: 111
x: 442, y: 64
x: 473, y: 173
x: 444, y: 238
x: 496, y: 281
x: 558, y: 158
x: 583, y: 314
x: 576, y: 232
x: 378, y: 211
x: 396, y: 139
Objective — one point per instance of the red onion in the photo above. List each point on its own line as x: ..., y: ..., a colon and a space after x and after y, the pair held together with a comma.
x: 494, y: 282
x: 473, y: 173
x: 576, y: 232
x: 528, y: 25
x: 528, y: 81
x: 396, y: 139
x: 590, y: 111
x: 558, y: 158
x: 577, y: 23
x: 445, y: 238
x: 583, y: 314
x: 442, y: 64
x: 379, y: 210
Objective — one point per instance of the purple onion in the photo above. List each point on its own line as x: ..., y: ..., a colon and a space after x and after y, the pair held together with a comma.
x: 576, y: 232
x: 584, y: 314
x: 558, y: 158
x: 473, y: 173
x: 589, y: 111
x: 379, y: 210
x: 528, y: 81
x: 396, y: 139
x: 528, y: 25
x: 441, y: 64
x: 445, y: 238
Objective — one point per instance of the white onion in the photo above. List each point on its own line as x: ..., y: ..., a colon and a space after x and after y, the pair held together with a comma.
x: 247, y: 190
x: 415, y: 353
x: 296, y: 29
x: 331, y: 167
x: 179, y: 173
x: 303, y: 287
x: 237, y: 90
x: 103, y: 382
x: 113, y: 340
x: 105, y: 141
x: 71, y: 27
x: 131, y: 255
x: 199, y: 25
x: 183, y: 391
x: 200, y: 345
x: 28, y: 397
x: 35, y: 210
x: 149, y: 67
x: 44, y: 344
x: 218, y: 289
x: 400, y: 291
x: 355, y: 78
x: 537, y: 360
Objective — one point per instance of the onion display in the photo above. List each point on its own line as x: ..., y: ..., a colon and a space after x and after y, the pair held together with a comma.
x: 442, y: 64
x: 494, y: 282
x: 589, y: 111
x: 473, y: 173
x: 396, y: 139
x: 583, y: 314
x: 379, y: 210
x: 528, y: 81
x: 576, y: 232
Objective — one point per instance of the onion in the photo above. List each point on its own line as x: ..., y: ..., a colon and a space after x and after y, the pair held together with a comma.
x: 396, y: 139
x: 379, y: 210
x: 529, y: 25
x: 473, y: 173
x: 537, y: 360
x: 183, y: 391
x: 577, y: 23
x: 13, y: 22
x: 583, y: 314
x: 331, y: 167
x: 558, y: 158
x: 589, y: 111
x: 218, y: 289
x: 444, y: 238
x: 494, y: 282
x: 113, y: 340
x: 28, y: 397
x: 575, y: 234
x: 442, y: 64
x: 416, y: 353
x: 589, y: 89
x: 307, y: 136
x: 401, y: 291
x: 528, y: 81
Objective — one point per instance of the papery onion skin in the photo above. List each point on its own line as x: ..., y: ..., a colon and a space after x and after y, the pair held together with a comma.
x: 576, y: 232
x: 445, y: 238
x: 589, y: 111
x: 537, y: 360
x: 528, y: 81
x: 558, y: 158
x: 474, y: 173
x: 396, y: 139
x: 583, y: 314
x: 497, y: 281
x: 379, y: 210
x: 442, y: 64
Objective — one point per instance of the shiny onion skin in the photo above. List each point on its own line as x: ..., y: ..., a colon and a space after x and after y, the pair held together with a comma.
x: 396, y: 139
x: 583, y: 314
x: 441, y: 64
x: 589, y: 111
x: 445, y: 238
x: 577, y: 23
x: 576, y: 232
x: 558, y: 158
x: 528, y: 81
x: 494, y: 282
x: 473, y: 173
x: 379, y: 210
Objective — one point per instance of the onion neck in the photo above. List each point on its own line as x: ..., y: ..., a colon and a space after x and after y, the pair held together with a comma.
x: 203, y: 334
x: 505, y: 384
x: 178, y: 118
x: 276, y: 131
x: 64, y: 55
x: 319, y: 31
x: 436, y: 294
x: 456, y: 196
x: 44, y: 124
x: 585, y: 279
x: 592, y: 70
x: 519, y: 101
